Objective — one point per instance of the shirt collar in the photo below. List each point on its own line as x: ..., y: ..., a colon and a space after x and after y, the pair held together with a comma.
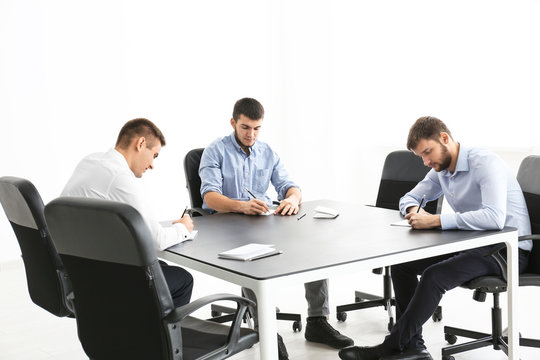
x: 462, y: 163
x: 239, y: 148
x: 117, y: 156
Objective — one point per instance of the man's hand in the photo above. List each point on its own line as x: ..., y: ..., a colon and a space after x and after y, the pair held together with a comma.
x: 186, y: 220
x: 254, y: 207
x: 287, y: 207
x: 423, y: 220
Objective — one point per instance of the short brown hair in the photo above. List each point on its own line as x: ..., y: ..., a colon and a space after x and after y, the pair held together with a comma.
x: 426, y: 127
x: 137, y: 128
x: 248, y: 107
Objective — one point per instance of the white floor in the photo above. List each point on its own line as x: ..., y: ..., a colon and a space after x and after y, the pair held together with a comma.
x: 28, y: 332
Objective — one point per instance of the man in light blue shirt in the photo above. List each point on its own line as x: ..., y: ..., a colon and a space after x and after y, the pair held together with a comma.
x: 484, y: 195
x: 235, y: 172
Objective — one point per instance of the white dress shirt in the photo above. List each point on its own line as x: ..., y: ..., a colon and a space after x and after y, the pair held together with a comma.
x: 108, y: 176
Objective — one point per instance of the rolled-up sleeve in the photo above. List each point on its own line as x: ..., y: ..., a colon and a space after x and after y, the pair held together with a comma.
x: 210, y: 169
x: 280, y: 178
x: 429, y: 186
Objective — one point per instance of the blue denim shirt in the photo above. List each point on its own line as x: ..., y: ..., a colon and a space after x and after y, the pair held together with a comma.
x: 482, y: 191
x: 226, y: 169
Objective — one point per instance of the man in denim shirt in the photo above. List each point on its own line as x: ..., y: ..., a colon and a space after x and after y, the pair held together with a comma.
x: 235, y: 172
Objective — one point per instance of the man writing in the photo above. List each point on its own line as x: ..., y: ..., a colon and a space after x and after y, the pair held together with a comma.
x: 484, y: 195
x: 235, y: 172
x: 113, y: 176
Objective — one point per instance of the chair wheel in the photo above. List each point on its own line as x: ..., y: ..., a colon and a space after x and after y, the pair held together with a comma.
x: 297, y: 326
x: 390, y: 324
x: 357, y: 299
x: 215, y: 313
x: 451, y: 339
x: 437, y: 314
x: 449, y: 357
x: 341, y: 316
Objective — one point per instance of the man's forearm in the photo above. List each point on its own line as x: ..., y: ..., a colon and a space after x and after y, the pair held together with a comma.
x: 294, y: 193
x: 221, y: 203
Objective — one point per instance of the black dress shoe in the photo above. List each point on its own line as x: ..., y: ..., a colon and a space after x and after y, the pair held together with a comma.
x: 361, y: 353
x: 320, y: 331
x: 410, y: 354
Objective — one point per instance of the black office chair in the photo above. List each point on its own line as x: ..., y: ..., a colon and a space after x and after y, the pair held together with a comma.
x: 402, y: 170
x: 529, y: 180
x: 192, y: 161
x: 123, y: 305
x: 48, y: 283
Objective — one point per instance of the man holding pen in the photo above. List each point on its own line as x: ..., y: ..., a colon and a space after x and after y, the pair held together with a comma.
x: 235, y: 172
x: 114, y: 175
x: 484, y: 195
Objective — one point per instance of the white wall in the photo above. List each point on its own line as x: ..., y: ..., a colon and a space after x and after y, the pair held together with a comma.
x: 341, y: 81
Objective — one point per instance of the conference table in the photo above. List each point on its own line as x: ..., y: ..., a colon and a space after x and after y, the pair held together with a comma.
x: 360, y: 238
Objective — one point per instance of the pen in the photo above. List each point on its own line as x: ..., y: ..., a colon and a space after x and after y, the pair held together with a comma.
x: 184, y: 213
x: 421, y: 203
x: 265, y: 255
x: 250, y: 193
x: 301, y: 216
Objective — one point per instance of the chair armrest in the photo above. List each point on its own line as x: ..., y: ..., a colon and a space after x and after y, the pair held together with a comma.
x: 172, y: 321
x: 198, y: 212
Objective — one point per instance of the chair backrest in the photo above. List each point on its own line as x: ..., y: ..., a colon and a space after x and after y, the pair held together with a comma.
x: 192, y: 161
x: 402, y: 170
x: 48, y: 284
x: 529, y: 180
x: 120, y: 293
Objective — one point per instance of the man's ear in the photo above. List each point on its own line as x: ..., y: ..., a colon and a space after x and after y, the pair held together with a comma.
x: 140, y: 143
x: 444, y: 137
x: 233, y: 123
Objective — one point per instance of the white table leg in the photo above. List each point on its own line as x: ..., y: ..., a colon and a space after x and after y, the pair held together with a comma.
x: 266, y: 309
x: 512, y: 293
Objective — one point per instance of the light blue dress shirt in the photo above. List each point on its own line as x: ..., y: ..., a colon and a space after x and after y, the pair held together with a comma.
x: 226, y: 169
x: 482, y: 191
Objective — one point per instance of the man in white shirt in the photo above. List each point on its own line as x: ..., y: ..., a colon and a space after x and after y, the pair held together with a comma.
x: 113, y: 176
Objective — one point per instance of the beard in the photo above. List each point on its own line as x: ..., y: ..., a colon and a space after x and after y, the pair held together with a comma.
x: 446, y: 159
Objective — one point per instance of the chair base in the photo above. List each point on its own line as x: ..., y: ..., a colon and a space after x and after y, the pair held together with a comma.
x: 218, y: 310
x: 366, y: 301
x: 497, y: 339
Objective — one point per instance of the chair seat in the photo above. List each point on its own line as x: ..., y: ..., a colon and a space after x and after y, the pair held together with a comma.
x: 493, y: 284
x: 201, y: 336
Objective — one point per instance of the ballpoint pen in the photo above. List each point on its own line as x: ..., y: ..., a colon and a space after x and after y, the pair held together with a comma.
x: 184, y: 213
x: 250, y: 193
x: 301, y: 216
x: 421, y: 203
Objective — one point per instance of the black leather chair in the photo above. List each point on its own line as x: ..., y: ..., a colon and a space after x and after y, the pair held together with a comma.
x: 192, y: 161
x: 123, y: 305
x: 48, y: 283
x: 529, y: 180
x: 402, y: 170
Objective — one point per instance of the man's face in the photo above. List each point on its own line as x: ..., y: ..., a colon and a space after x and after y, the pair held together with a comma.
x: 144, y: 159
x: 246, y: 130
x: 434, y: 154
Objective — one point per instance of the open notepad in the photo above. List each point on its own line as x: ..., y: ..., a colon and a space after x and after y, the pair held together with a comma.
x: 249, y: 252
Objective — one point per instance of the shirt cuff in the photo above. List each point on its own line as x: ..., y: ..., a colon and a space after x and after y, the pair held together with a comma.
x: 182, y: 231
x: 448, y: 221
x: 405, y: 206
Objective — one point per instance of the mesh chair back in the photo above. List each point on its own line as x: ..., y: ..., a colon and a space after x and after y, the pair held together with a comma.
x: 192, y: 161
x: 108, y: 252
x: 48, y: 285
x: 529, y: 180
x: 402, y: 170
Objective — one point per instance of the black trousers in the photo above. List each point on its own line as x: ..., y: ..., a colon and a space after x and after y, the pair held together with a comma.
x: 416, y: 300
x: 180, y: 283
